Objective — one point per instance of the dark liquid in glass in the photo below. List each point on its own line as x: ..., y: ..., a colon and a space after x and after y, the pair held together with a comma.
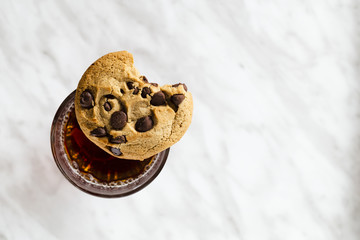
x: 91, y: 159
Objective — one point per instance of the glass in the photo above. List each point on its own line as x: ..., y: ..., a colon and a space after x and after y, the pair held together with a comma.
x: 91, y: 169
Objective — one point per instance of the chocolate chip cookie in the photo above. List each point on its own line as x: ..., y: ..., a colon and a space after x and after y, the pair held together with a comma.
x: 126, y: 115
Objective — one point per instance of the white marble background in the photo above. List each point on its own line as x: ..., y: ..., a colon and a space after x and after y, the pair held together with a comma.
x: 274, y: 148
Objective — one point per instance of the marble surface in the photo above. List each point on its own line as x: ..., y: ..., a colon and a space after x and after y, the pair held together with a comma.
x: 273, y: 151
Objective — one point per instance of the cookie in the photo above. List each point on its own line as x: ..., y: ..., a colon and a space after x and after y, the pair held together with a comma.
x: 125, y: 114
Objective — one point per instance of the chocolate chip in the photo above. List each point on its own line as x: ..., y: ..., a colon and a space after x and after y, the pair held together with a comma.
x: 122, y: 91
x: 118, y: 139
x: 144, y: 124
x: 86, y: 99
x: 154, y: 84
x: 118, y: 120
x: 107, y: 106
x: 144, y: 79
x: 158, y: 99
x: 130, y: 85
x: 177, y: 99
x: 136, y: 91
x: 98, y: 132
x: 176, y: 85
x: 109, y: 96
x: 115, y: 151
x: 145, y: 91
